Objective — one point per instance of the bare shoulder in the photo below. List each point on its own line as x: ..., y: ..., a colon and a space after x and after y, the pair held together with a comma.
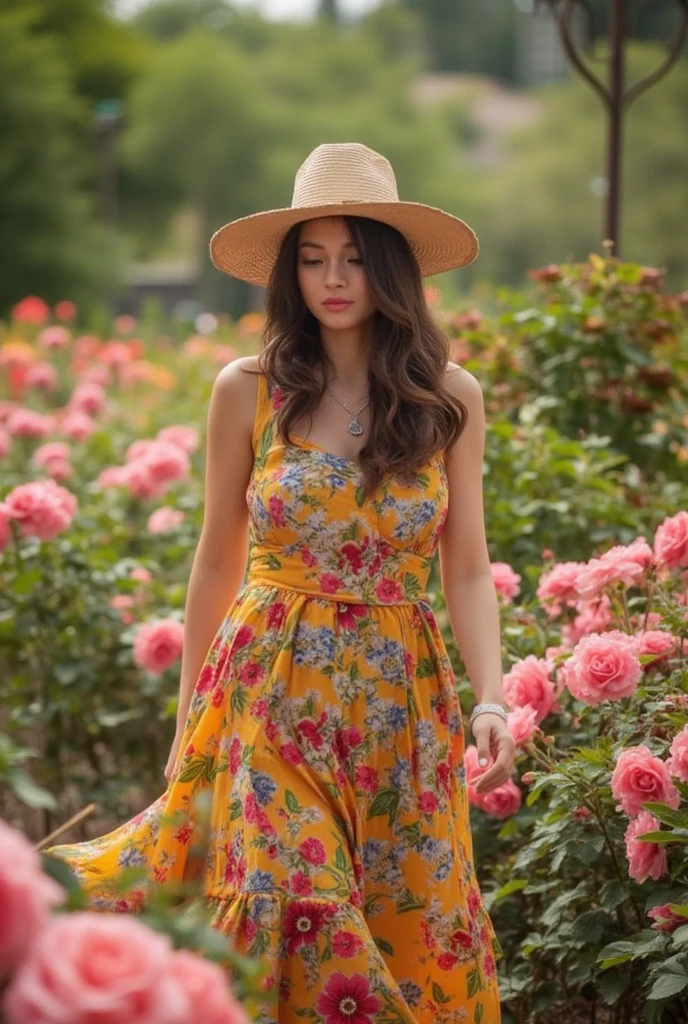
x: 463, y: 385
x: 235, y: 394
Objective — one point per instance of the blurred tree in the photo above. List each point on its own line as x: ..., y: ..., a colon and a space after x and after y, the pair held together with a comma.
x: 541, y: 204
x: 467, y: 35
x: 165, y: 20
x: 50, y: 244
x: 328, y: 9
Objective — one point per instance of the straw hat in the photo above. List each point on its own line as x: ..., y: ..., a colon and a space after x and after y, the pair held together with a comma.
x: 337, y: 179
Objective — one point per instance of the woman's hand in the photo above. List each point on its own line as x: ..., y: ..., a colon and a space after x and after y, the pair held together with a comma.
x: 174, y: 754
x: 493, y: 739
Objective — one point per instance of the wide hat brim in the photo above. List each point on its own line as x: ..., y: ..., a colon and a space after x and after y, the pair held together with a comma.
x: 247, y: 248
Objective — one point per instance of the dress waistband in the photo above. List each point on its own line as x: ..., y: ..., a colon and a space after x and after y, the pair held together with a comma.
x: 400, y: 579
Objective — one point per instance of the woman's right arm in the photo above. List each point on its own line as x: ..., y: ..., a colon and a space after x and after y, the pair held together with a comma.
x: 219, y: 562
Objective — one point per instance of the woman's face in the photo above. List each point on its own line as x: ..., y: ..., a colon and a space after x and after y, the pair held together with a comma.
x: 331, y: 275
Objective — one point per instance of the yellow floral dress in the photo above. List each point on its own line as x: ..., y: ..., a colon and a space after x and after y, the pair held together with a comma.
x: 326, y: 731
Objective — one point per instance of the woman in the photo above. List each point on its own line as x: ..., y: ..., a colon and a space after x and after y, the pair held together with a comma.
x: 317, y: 703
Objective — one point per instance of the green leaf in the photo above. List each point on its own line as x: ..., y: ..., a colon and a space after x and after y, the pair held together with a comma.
x: 293, y: 805
x: 411, y: 586
x: 26, y: 790
x: 669, y: 984
x: 515, y: 885
x: 339, y: 859
x: 384, y: 946
x: 438, y: 994
x: 425, y: 668
x: 386, y: 802
x: 359, y: 496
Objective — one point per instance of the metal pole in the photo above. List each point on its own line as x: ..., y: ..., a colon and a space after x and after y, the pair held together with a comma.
x: 617, y: 42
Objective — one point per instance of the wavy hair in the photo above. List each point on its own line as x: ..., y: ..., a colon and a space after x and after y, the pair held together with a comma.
x: 413, y: 416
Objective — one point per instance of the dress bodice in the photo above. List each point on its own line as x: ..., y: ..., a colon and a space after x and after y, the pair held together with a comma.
x: 312, y: 529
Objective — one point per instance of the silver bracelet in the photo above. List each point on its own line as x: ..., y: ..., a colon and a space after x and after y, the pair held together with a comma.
x: 484, y: 708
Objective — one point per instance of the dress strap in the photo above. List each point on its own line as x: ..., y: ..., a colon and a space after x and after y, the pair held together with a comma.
x: 264, y: 412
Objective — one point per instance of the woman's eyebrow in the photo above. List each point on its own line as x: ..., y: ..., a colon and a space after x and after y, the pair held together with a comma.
x: 317, y: 245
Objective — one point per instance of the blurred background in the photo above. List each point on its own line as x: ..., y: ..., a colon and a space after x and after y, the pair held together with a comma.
x: 131, y: 129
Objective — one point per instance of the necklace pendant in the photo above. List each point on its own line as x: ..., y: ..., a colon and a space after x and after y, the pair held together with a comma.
x: 355, y: 427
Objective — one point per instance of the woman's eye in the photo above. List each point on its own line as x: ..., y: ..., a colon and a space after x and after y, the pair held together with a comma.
x: 355, y: 259
x: 310, y: 263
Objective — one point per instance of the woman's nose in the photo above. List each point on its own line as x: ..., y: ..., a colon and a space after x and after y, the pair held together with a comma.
x: 334, y: 273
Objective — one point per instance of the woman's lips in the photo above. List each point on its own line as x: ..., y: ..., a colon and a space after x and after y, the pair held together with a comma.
x: 335, y: 304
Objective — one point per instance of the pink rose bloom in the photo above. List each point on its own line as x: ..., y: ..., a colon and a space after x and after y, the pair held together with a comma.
x: 53, y: 451
x: 115, y: 353
x: 505, y: 580
x: 5, y: 443
x: 140, y: 481
x: 620, y: 564
x: 645, y: 860
x: 591, y: 618
x: 503, y: 801
x: 184, y: 437
x: 59, y: 469
x: 657, y: 642
x: 26, y: 896
x: 42, y: 508
x: 6, y: 409
x: 522, y: 723
x: 137, y: 449
x: 557, y: 587
x: 125, y: 323
x: 677, y: 762
x: 158, y: 645
x: 65, y: 310
x: 122, y: 603
x: 603, y: 667
x: 112, y: 476
x: 671, y: 541
x: 141, y: 574
x: 95, y: 373
x: 639, y: 777
x: 54, y: 337
x: 164, y: 519
x: 528, y: 682
x: 31, y: 310
x: 204, y: 991
x: 42, y: 375
x: 77, y: 425
x: 89, y: 398
x: 5, y: 531
x: 28, y: 423
x: 163, y: 462
x: 108, y: 967
x: 665, y: 919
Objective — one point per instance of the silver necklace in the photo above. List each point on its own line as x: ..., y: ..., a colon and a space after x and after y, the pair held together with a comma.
x: 355, y: 427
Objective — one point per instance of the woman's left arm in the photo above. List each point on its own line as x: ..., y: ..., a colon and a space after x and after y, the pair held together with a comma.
x: 467, y: 582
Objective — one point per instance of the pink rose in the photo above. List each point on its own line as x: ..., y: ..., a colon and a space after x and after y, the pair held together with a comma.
x: 184, y: 437
x: 505, y: 580
x: 5, y: 531
x: 165, y: 519
x: 639, y: 777
x: 112, y: 476
x: 158, y: 645
x: 65, y: 310
x: 657, y: 642
x: 591, y: 618
x: 529, y: 682
x: 53, y: 451
x: 603, y: 667
x: 43, y: 376
x: 665, y: 919
x: 54, y: 337
x: 42, y: 508
x: 88, y: 967
x: 204, y: 991
x: 27, y: 423
x: 618, y: 565
x: 557, y: 587
x: 671, y: 541
x: 31, y: 310
x: 645, y: 860
x: 5, y: 443
x: 677, y: 762
x: 89, y: 398
x: 141, y: 574
x: 77, y: 425
x: 26, y: 896
x: 522, y: 723
x: 503, y: 801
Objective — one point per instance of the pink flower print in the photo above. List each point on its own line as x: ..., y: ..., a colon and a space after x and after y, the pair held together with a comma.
x: 313, y: 851
x: 277, y: 613
x: 352, y: 554
x: 427, y: 802
x: 291, y: 753
x: 235, y: 755
x: 348, y: 613
x: 308, y: 557
x: 347, y: 739
x: 303, y: 920
x: 276, y: 509
x: 366, y: 778
x: 330, y: 583
x: 346, y: 944
x: 242, y: 638
x: 205, y: 679
x: 309, y: 730
x: 300, y: 884
x: 348, y: 1000
x: 251, y: 673
x: 388, y: 590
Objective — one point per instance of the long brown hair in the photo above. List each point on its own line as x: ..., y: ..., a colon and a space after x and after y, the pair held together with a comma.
x: 413, y: 416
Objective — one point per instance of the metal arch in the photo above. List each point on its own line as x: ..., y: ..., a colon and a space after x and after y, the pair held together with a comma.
x: 674, y: 46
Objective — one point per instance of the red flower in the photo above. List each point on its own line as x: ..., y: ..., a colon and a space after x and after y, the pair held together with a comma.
x: 205, y: 679
x: 347, y: 739
x: 251, y: 673
x: 217, y: 696
x: 291, y: 753
x: 444, y: 777
x: 277, y: 613
x: 388, y: 590
x: 461, y: 939
x: 303, y: 919
x: 352, y: 553
x: 348, y: 613
x: 313, y: 850
x: 445, y: 961
x: 183, y: 834
x: 309, y: 730
x: 250, y: 929
x: 330, y: 583
x: 308, y: 557
x: 427, y: 802
x: 366, y: 778
x: 276, y: 508
x: 301, y: 884
x: 31, y: 310
x: 347, y: 1000
x: 346, y: 944
x: 242, y: 637
x: 235, y: 755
